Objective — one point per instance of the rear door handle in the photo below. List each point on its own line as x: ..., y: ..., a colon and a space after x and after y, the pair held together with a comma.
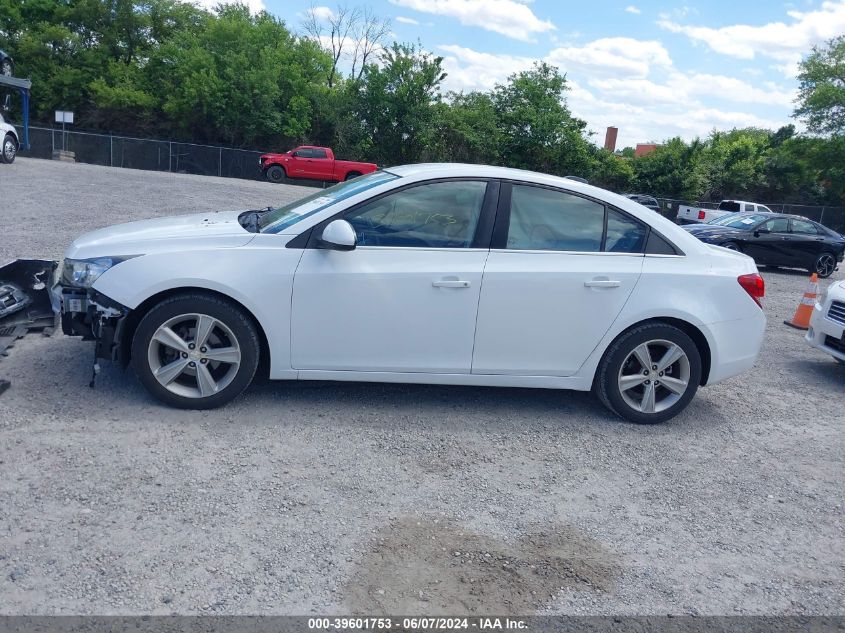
x: 451, y: 283
x: 602, y: 283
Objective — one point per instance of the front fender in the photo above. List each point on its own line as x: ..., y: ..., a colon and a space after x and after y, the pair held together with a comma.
x: 260, y: 278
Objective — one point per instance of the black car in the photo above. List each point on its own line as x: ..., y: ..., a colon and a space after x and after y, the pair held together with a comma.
x: 776, y: 239
x: 645, y: 200
x: 7, y: 66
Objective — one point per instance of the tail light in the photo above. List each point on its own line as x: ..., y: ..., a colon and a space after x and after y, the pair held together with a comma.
x: 701, y: 214
x: 754, y: 285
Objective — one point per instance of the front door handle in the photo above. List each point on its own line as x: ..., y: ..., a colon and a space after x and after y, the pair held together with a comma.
x: 602, y: 283
x: 451, y: 283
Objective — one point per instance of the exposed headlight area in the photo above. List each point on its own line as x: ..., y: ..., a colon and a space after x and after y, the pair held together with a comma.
x: 82, y: 273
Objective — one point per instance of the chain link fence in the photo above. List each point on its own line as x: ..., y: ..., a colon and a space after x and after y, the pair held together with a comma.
x: 142, y: 153
x: 831, y: 217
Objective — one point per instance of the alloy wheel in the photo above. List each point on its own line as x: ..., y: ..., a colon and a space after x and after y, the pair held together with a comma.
x: 825, y: 265
x: 194, y: 355
x: 654, y: 376
x: 9, y: 150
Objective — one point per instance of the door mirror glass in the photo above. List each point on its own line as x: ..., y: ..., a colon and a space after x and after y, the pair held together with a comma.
x: 762, y: 229
x: 339, y: 236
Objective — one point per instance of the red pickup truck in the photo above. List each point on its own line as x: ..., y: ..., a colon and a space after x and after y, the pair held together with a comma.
x: 316, y: 163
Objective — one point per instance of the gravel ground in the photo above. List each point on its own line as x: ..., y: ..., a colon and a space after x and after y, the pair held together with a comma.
x: 323, y: 497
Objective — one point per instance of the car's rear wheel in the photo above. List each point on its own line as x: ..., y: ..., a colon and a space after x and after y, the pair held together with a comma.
x: 825, y: 265
x: 351, y: 175
x: 10, y: 149
x: 276, y: 174
x: 649, y: 374
x: 195, y: 351
x: 731, y: 246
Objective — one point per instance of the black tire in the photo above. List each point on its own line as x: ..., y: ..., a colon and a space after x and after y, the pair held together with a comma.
x: 732, y: 246
x: 351, y: 175
x: 9, y: 150
x: 276, y: 174
x: 606, y: 385
x: 824, y: 265
x: 231, y: 316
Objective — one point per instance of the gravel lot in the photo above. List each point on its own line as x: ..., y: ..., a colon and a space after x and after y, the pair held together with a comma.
x: 323, y: 497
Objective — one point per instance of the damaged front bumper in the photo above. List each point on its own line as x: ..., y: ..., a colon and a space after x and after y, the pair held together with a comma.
x: 26, y: 301
x: 33, y: 296
x: 95, y: 317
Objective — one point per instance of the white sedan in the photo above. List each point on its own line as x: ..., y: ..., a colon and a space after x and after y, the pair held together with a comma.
x: 827, y: 324
x: 441, y: 274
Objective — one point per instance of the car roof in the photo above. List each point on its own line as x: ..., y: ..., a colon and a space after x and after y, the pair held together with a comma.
x: 466, y: 170
x: 773, y: 214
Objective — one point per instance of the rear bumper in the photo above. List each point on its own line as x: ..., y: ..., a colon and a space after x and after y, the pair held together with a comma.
x: 826, y: 334
x: 734, y: 346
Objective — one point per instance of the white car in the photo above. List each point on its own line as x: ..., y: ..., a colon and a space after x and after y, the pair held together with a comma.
x: 10, y: 142
x: 443, y: 273
x: 827, y: 324
x: 696, y: 215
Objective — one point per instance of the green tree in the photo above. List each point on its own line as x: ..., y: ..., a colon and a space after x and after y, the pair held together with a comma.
x: 397, y: 103
x: 821, y: 96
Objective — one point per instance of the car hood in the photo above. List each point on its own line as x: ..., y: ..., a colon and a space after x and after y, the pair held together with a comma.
x: 183, y: 232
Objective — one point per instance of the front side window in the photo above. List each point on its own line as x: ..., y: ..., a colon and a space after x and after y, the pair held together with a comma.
x: 550, y: 220
x: 804, y: 226
x: 434, y: 215
x: 778, y: 225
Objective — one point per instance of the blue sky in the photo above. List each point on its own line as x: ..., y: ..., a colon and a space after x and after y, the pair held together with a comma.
x: 653, y: 68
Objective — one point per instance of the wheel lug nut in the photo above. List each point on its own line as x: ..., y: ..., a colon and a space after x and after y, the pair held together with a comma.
x: 645, y: 373
x: 660, y: 374
x: 656, y: 383
x: 654, y: 367
x: 203, y: 360
x: 184, y: 354
x: 191, y: 346
x: 192, y: 364
x: 647, y: 382
x: 203, y: 350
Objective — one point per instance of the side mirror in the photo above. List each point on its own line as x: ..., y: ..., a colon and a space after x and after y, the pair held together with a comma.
x: 759, y: 231
x: 338, y: 236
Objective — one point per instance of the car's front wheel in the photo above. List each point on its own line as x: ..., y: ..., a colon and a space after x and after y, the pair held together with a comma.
x: 10, y: 149
x: 195, y: 351
x: 649, y: 374
x: 276, y: 174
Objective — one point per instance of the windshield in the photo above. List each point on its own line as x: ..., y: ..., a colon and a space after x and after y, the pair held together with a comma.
x: 742, y: 221
x: 279, y: 219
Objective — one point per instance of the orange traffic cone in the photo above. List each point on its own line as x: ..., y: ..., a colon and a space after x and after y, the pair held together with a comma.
x: 801, y: 320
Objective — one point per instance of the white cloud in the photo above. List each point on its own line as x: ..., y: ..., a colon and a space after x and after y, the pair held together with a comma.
x: 322, y: 13
x: 255, y: 6
x: 507, y: 17
x: 612, y: 55
x: 784, y: 42
x: 403, y: 20
x: 640, y: 91
x: 632, y: 9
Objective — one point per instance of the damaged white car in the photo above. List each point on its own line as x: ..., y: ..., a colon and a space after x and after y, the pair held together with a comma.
x: 446, y: 274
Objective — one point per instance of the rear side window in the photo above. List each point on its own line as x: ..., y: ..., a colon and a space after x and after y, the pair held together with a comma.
x: 318, y: 153
x: 729, y: 205
x: 803, y: 226
x: 550, y: 220
x: 624, y: 234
